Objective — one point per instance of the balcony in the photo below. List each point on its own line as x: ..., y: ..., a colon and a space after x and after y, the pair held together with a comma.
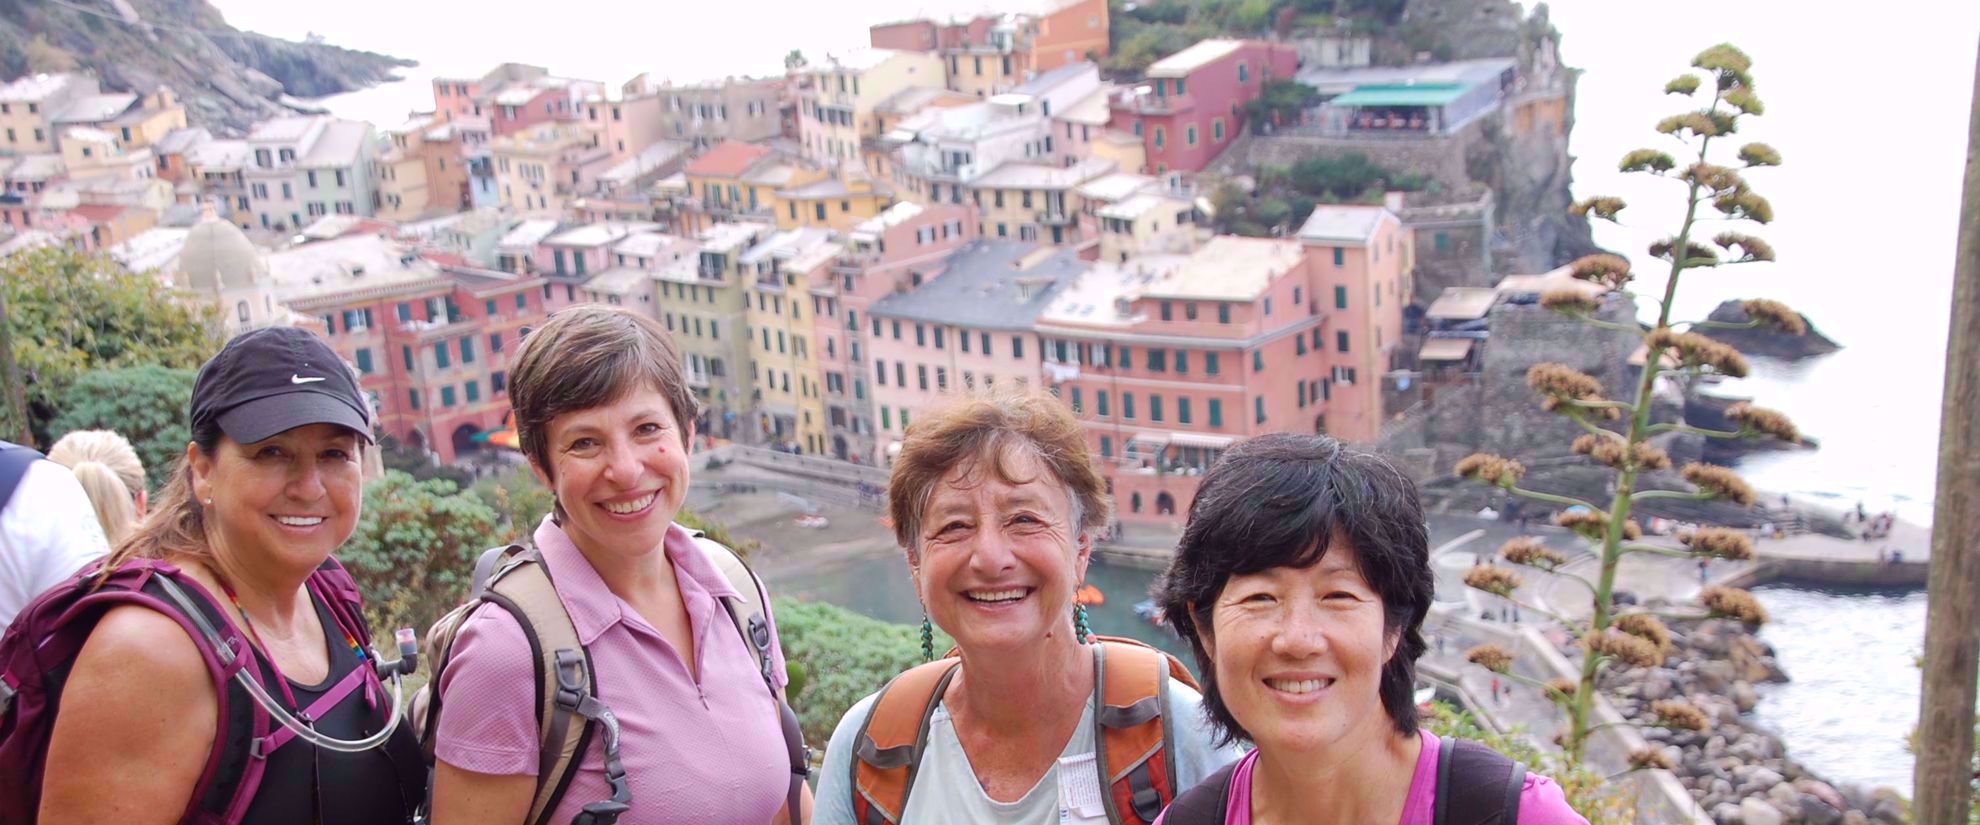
x: 1058, y: 217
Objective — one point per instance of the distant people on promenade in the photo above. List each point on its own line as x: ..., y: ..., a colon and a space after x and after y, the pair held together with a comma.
x: 110, y: 472
x: 48, y: 527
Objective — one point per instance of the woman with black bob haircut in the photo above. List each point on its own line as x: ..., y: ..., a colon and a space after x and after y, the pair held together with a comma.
x: 1301, y: 583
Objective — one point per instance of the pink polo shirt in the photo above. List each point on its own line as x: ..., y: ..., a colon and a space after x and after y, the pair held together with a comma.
x: 1540, y: 800
x: 711, y: 751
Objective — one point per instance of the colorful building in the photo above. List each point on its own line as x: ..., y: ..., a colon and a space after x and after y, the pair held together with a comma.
x: 1191, y: 105
x: 703, y: 301
x: 789, y: 408
x: 1362, y: 258
x: 1034, y: 202
x: 537, y: 171
x: 306, y: 167
x: 837, y: 110
x: 993, y: 52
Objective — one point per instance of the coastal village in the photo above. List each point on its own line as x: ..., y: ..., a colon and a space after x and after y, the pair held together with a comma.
x: 979, y: 202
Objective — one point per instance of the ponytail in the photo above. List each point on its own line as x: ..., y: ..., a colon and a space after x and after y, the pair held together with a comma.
x: 110, y: 473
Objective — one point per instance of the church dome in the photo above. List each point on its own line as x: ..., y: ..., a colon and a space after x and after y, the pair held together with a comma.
x: 218, y: 257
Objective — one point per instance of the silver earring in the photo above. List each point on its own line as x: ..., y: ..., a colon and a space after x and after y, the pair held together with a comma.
x: 209, y: 502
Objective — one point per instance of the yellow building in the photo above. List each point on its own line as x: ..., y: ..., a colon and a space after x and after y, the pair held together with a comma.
x: 789, y: 402
x: 716, y: 189
x: 701, y: 299
x: 539, y: 169
x: 1034, y: 201
x: 403, y: 190
x: 839, y: 109
x: 820, y: 199
x: 92, y: 153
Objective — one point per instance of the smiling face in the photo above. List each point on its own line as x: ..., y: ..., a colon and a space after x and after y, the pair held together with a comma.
x: 1299, y: 653
x: 619, y: 471
x: 999, y: 558
x: 292, y: 498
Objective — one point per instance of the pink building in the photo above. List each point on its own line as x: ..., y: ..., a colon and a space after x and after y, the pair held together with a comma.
x: 1361, y: 261
x: 1191, y: 106
x: 971, y: 326
x: 905, y: 245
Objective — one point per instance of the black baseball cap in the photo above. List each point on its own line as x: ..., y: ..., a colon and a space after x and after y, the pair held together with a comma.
x: 273, y: 380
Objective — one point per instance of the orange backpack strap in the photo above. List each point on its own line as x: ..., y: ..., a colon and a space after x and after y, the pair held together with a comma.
x: 1133, y: 747
x: 891, y: 741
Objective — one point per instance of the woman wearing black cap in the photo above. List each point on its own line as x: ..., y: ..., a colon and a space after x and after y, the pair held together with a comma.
x: 268, y: 488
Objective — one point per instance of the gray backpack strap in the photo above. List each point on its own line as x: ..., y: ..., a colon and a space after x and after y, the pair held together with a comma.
x: 1476, y: 785
x: 484, y: 567
x: 751, y: 615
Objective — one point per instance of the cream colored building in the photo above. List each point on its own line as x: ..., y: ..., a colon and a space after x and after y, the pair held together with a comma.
x: 839, y: 108
x: 1033, y: 201
x: 789, y: 402
x: 538, y: 170
x: 404, y: 193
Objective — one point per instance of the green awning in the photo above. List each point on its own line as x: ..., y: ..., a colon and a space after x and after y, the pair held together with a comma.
x: 1421, y: 94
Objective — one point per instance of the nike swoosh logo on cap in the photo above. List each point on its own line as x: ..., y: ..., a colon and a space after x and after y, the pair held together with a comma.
x: 297, y: 379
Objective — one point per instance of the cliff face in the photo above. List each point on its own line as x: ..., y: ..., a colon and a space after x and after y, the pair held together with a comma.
x: 227, y: 79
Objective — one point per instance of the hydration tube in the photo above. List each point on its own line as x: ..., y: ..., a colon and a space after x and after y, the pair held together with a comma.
x: 407, y: 662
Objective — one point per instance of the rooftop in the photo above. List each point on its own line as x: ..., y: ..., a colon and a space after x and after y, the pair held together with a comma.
x: 729, y: 159
x: 858, y: 60
x: 37, y: 167
x: 87, y: 134
x: 769, y: 171
x: 726, y: 237
x: 1090, y: 110
x: 36, y: 88
x: 598, y: 234
x: 180, y: 141
x: 1051, y: 80
x: 1462, y: 304
x: 1115, y: 187
x: 1429, y: 94
x: 528, y: 233
x: 983, y: 287
x: 1137, y: 205
x: 96, y: 108
x: 219, y: 155
x: 911, y: 100
x: 788, y: 245
x: 619, y: 280
x: 1022, y: 175
x: 351, y: 262
x: 1336, y: 223
x: 892, y: 216
x: 1230, y: 268
x: 652, y: 157
x: 1195, y: 57
x: 1466, y: 73
x: 283, y: 129
x: 340, y: 144
x: 152, y: 249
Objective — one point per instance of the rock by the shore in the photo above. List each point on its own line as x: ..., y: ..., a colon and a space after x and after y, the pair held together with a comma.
x: 1765, y: 342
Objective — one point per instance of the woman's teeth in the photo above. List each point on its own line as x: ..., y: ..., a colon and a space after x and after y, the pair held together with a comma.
x: 630, y: 507
x: 1298, y: 685
x: 994, y: 596
x: 300, y: 521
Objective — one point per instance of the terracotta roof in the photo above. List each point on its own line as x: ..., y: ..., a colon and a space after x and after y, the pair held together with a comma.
x: 729, y: 159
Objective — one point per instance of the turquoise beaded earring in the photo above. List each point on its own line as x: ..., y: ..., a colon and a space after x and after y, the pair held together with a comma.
x: 927, y: 640
x: 1081, y: 629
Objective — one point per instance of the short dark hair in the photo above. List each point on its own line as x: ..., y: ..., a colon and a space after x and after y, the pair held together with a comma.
x: 1279, y: 501
x: 587, y: 356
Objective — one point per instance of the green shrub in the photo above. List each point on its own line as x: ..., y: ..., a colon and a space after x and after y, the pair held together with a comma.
x: 839, y: 657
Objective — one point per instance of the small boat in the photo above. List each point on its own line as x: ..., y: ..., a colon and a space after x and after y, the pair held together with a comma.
x: 1090, y: 595
x: 1146, y: 609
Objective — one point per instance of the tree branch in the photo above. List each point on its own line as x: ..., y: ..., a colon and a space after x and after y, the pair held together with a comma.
x: 1689, y: 429
x: 1689, y: 325
x: 1550, y: 498
x: 1648, y: 495
x: 1657, y: 551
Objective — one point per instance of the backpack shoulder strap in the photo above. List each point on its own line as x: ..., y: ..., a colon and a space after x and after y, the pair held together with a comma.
x: 1204, y: 804
x: 567, y: 685
x: 892, y: 739
x: 14, y: 463
x: 1133, y: 744
x: 752, y: 619
x: 1476, y: 785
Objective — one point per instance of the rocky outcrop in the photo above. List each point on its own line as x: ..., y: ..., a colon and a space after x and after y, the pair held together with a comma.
x: 1766, y: 342
x: 227, y: 79
x: 1740, y: 773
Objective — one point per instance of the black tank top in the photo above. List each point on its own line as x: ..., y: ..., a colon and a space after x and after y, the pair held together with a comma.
x: 306, y: 785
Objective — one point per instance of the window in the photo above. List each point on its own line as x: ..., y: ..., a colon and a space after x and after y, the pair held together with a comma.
x: 1182, y: 410
x: 1268, y: 307
x: 1223, y: 313
x: 522, y: 300
x: 921, y: 375
x: 1258, y: 360
x: 942, y: 379
x: 1017, y: 347
x: 1180, y: 87
x: 1100, y: 402
x: 1127, y: 405
x: 1154, y: 408
x: 1075, y: 400
x: 1340, y: 295
x: 886, y: 418
x: 897, y: 330
x: 1158, y: 360
x: 1189, y: 135
x: 1106, y: 447
x: 1209, y: 363
x: 364, y: 360
x: 1301, y: 386
x: 1296, y: 295
x: 1189, y: 311
x: 312, y: 179
x: 1216, y: 412
x: 494, y: 342
x: 1258, y: 408
x: 467, y: 350
x: 473, y: 391
x: 1341, y: 340
x: 961, y: 338
x: 440, y: 356
x: 819, y: 208
x: 1160, y: 136
x: 498, y: 382
x: 407, y: 352
x: 1124, y: 358
x: 1340, y: 256
x: 412, y: 398
x: 986, y: 342
x: 447, y: 396
x: 1244, y: 73
x: 1217, y: 130
x: 920, y: 335
x: 879, y: 372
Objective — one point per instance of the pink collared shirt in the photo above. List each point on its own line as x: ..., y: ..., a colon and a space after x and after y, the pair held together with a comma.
x: 711, y: 751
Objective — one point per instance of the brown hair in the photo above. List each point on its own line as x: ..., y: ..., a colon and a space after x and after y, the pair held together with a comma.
x: 987, y: 428
x: 174, y: 524
x: 587, y: 356
x: 109, y: 471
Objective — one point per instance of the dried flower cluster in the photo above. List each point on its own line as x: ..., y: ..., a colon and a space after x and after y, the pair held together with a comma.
x: 1588, y: 523
x: 1719, y: 543
x: 1648, y: 160
x: 1729, y: 63
x: 1733, y: 603
x: 1570, y: 301
x: 1490, y: 469
x: 1695, y: 253
x: 1759, y: 154
x: 1695, y: 351
x: 1680, y: 715
x: 1649, y: 757
x: 1603, y: 207
x: 1683, y: 84
x: 1652, y: 457
x: 1746, y: 101
x: 1497, y: 581
x: 1605, y: 450
x: 1532, y: 553
x: 1561, y: 689
x: 1611, y: 271
x: 1775, y: 314
x: 1625, y: 648
x: 1744, y: 204
x: 1563, y: 382
x: 1750, y: 248
x: 1699, y: 124
x: 1490, y: 657
x: 1712, y: 176
x: 1648, y: 628
x: 1722, y: 483
x: 1764, y: 422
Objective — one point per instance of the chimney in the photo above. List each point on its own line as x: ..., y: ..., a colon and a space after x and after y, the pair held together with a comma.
x: 1394, y: 201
